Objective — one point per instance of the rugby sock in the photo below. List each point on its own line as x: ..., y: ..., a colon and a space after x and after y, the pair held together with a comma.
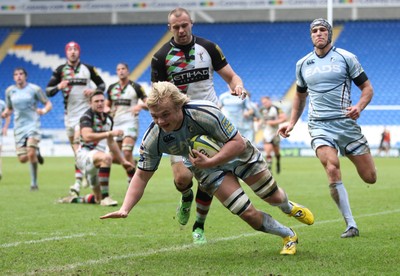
x: 78, y: 175
x: 33, y: 169
x: 90, y: 199
x: 203, y: 202
x: 104, y: 176
x: 278, y: 163
x: 270, y: 225
x: 269, y: 161
x: 285, y: 206
x: 341, y: 198
x: 130, y: 175
x: 187, y: 196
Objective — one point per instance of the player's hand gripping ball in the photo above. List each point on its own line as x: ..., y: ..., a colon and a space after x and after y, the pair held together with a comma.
x: 204, y: 144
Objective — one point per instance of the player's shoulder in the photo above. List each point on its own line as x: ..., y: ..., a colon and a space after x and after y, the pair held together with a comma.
x: 304, y: 58
x: 10, y: 88
x: 88, y: 113
x: 342, y: 52
x: 224, y: 95
x: 163, y: 50
x: 203, y: 41
x: 112, y: 85
x: 34, y: 86
x: 134, y: 84
x: 207, y: 44
x: 60, y: 68
x: 89, y: 66
x: 153, y: 130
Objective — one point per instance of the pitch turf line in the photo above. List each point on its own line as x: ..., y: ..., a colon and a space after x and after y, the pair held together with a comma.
x: 178, y: 248
x: 14, y: 244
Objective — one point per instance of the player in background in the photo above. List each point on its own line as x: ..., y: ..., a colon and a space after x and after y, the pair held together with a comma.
x: 126, y: 99
x: 271, y: 117
x: 239, y: 112
x: 23, y: 98
x: 250, y: 122
x: 74, y: 80
x: 326, y: 75
x: 96, y: 128
x: 178, y: 61
x: 384, y: 144
x: 4, y: 128
x: 175, y: 121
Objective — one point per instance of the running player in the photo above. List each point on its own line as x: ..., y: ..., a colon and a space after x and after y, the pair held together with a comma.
x: 326, y: 74
x: 272, y: 116
x: 22, y: 98
x: 74, y: 80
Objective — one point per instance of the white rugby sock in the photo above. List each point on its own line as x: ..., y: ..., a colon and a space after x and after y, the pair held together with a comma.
x: 340, y: 196
x: 270, y: 225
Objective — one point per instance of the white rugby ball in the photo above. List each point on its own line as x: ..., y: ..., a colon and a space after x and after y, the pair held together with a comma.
x: 204, y: 144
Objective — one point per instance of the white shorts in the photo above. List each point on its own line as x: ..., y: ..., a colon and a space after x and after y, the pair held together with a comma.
x: 270, y: 137
x: 85, y: 162
x: 130, y: 129
x: 71, y: 129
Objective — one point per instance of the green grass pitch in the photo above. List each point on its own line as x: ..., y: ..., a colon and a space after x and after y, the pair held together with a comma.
x: 41, y: 237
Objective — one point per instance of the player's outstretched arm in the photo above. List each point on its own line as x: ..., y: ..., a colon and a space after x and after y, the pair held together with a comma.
x: 133, y: 194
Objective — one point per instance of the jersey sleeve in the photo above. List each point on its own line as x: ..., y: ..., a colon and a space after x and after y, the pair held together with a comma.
x: 95, y: 77
x: 158, y: 68
x: 86, y: 120
x: 217, y: 56
x: 141, y: 94
x: 300, y: 82
x: 39, y: 94
x: 149, y: 153
x: 108, y: 93
x: 51, y: 88
x: 8, y: 98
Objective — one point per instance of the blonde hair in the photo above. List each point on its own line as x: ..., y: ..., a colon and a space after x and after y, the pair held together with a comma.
x: 162, y: 90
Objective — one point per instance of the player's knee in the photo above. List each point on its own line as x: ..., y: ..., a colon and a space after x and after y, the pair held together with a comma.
x: 107, y: 160
x: 23, y: 158
x: 182, y: 179
x: 183, y: 186
x: 370, y: 177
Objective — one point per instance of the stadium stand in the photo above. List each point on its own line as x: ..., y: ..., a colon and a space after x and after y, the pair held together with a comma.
x: 263, y: 54
x: 4, y: 33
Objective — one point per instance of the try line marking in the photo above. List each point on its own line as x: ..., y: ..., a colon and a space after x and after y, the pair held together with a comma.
x: 14, y: 244
x: 151, y: 251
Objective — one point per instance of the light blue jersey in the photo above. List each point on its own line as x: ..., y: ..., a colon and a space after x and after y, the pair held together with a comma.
x: 200, y: 117
x: 328, y: 81
x: 23, y: 102
x: 233, y: 107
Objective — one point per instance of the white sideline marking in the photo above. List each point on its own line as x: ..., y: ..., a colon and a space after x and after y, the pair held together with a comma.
x: 174, y: 248
x: 5, y: 245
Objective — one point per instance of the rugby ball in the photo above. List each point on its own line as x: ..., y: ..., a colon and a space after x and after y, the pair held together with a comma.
x: 204, y: 144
